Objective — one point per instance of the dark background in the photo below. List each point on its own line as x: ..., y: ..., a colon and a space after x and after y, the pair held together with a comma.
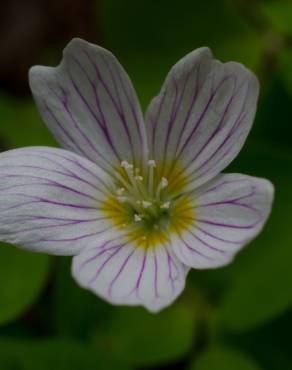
x: 235, y: 318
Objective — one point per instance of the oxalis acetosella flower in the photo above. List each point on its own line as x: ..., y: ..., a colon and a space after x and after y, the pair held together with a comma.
x: 136, y: 201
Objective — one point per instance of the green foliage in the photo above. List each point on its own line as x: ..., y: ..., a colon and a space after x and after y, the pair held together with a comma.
x: 52, y: 354
x: 21, y: 124
x: 22, y: 278
x: 224, y: 359
x: 163, y: 34
x: 279, y: 14
x: 142, y: 338
x: 76, y: 312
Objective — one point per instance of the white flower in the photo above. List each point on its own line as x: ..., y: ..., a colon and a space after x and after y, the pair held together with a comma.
x: 136, y: 204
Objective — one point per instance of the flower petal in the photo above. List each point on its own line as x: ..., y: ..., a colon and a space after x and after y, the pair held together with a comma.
x: 50, y: 199
x: 202, y: 115
x: 230, y: 211
x: 123, y: 273
x: 89, y: 104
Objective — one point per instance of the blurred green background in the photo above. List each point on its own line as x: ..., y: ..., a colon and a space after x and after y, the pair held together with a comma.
x: 234, y: 318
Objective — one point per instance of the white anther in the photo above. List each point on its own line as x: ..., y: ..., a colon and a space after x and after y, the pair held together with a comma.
x: 120, y: 191
x: 146, y: 204
x: 164, y: 182
x: 151, y: 163
x: 121, y: 199
x: 126, y: 165
x: 165, y: 205
x: 137, y: 218
x: 138, y: 178
x: 143, y: 237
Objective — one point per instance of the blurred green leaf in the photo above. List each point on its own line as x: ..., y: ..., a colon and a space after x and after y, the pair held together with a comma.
x: 149, y: 52
x: 52, y: 354
x: 224, y: 359
x: 261, y: 277
x: 21, y: 124
x: 273, y: 114
x: 279, y: 14
x: 285, y: 63
x: 76, y: 311
x: 270, y: 345
x: 142, y: 338
x: 22, y: 277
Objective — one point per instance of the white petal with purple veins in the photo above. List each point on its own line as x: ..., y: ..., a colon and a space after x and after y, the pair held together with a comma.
x: 50, y: 200
x: 123, y: 273
x: 89, y: 104
x: 229, y: 212
x: 202, y: 115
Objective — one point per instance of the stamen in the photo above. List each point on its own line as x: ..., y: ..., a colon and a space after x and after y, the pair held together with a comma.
x: 129, y: 170
x: 126, y: 165
x: 163, y: 184
x: 165, y: 205
x: 122, y: 199
x: 152, y: 165
x: 137, y: 218
x: 120, y: 191
x: 130, y: 200
x: 123, y: 181
x: 143, y: 197
x: 146, y: 204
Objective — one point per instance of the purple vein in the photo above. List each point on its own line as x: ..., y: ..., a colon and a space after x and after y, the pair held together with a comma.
x: 72, y: 174
x: 119, y: 107
x: 202, y: 115
x: 87, y: 140
x: 50, y: 171
x: 137, y: 285
x: 90, y: 110
x: 74, y: 239
x: 219, y: 126
x: 191, y: 108
x: 155, y: 276
x: 94, y: 278
x: 218, y: 238
x: 35, y: 199
x: 223, y: 225
x: 158, y: 103
x: 207, y: 244
x: 76, y: 163
x: 45, y: 227
x: 48, y: 183
x: 194, y: 250
x: 65, y: 132
x: 121, y: 269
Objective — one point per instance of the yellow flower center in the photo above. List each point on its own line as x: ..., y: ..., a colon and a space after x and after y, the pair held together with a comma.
x: 149, y: 205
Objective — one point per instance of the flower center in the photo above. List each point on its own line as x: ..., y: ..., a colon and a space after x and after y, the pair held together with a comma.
x: 147, y: 205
